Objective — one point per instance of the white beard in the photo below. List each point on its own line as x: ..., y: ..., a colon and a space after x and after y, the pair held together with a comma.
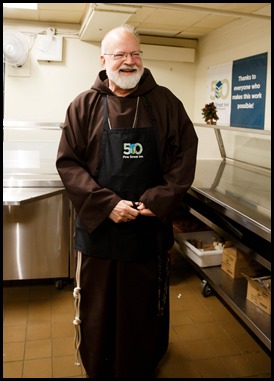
x: 125, y: 82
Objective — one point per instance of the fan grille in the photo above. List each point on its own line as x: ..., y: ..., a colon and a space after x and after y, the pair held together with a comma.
x: 15, y: 48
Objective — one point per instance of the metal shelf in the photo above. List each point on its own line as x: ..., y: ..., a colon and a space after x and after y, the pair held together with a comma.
x: 232, y: 195
x: 233, y: 128
x: 233, y: 293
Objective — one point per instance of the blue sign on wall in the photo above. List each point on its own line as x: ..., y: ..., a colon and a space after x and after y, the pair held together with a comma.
x: 248, y: 92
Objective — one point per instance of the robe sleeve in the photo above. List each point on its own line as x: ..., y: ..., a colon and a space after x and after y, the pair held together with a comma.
x: 91, y: 202
x: 178, y: 151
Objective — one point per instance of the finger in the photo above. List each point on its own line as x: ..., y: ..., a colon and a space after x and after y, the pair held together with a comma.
x: 141, y: 206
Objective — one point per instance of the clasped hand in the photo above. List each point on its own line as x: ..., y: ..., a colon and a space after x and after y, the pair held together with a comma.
x: 126, y: 211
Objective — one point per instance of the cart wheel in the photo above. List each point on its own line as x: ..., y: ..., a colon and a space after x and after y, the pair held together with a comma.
x: 205, y: 288
x: 59, y: 283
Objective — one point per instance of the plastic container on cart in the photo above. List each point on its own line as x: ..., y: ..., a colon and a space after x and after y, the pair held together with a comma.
x: 202, y: 258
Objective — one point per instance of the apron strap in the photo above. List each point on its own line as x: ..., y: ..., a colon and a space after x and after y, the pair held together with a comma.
x: 105, y: 113
x: 104, y: 135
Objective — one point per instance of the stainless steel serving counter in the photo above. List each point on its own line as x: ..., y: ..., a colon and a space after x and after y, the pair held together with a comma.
x: 22, y: 196
x: 36, y: 231
x: 235, y: 200
x: 36, y: 209
x: 20, y: 188
x: 232, y: 195
x: 238, y: 191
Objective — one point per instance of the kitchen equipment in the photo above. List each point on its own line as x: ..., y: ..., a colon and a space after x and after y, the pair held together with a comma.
x: 36, y: 210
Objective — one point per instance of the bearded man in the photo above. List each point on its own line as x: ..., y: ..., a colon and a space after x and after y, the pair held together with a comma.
x: 127, y: 157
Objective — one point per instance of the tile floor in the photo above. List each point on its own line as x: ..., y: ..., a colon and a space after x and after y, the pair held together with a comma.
x: 206, y: 340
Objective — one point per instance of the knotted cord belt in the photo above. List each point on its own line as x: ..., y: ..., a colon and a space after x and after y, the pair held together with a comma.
x: 77, y: 300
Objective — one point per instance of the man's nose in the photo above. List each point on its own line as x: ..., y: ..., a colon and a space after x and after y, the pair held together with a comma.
x: 129, y: 58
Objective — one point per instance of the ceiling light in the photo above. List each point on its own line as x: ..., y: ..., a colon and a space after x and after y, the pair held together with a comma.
x: 20, y: 5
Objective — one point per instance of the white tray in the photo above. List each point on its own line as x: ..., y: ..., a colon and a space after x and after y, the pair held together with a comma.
x: 201, y: 258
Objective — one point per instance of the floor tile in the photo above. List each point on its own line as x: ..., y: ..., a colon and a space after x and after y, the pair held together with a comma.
x: 13, y: 369
x: 198, y: 349
x: 247, y: 343
x: 211, y: 368
x: 205, y: 340
x: 38, y: 349
x: 64, y: 366
x: 38, y: 331
x: 189, y: 332
x: 13, y: 351
x: 15, y: 312
x: 239, y: 366
x: 63, y: 329
x: 224, y: 346
x: 201, y: 315
x: 39, y: 310
x: 211, y: 329
x: 38, y: 368
x: 14, y: 333
x: 63, y: 346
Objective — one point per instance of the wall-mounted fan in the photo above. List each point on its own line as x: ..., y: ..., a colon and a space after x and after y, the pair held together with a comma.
x: 15, y: 48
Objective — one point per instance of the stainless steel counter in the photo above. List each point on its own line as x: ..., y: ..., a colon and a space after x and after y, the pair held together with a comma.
x: 234, y: 199
x: 238, y: 191
x: 36, y: 235
x: 36, y: 209
x: 22, y: 196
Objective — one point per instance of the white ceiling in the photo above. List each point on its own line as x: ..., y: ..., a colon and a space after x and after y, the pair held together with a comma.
x: 171, y: 21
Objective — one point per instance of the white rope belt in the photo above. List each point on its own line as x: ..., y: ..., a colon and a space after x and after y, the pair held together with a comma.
x: 77, y: 300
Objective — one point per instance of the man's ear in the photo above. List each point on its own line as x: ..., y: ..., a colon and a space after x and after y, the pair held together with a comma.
x: 103, y: 61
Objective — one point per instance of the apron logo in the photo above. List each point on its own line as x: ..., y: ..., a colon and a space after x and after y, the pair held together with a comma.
x: 132, y: 151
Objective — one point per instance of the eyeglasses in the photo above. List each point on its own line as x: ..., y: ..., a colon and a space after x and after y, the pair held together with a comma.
x: 123, y: 56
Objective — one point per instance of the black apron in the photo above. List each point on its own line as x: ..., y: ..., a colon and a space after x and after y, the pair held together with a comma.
x: 128, y: 165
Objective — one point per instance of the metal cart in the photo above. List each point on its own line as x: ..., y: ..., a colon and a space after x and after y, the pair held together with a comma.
x: 233, y: 197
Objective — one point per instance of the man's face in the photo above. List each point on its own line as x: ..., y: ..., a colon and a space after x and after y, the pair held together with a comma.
x: 123, y: 63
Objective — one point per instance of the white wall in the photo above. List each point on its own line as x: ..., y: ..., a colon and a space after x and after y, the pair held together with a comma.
x: 41, y: 91
x: 44, y: 93
x: 178, y: 77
